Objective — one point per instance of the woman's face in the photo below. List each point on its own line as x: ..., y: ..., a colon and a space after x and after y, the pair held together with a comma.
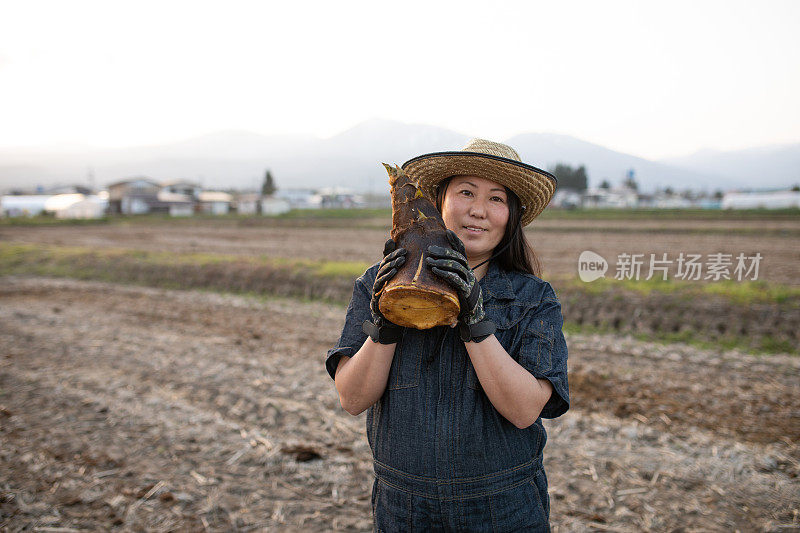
x: 476, y: 209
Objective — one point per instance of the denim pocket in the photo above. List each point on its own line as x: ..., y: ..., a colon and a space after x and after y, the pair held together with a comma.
x: 407, y: 361
x: 519, y: 509
x: 540, y: 483
x: 391, y: 508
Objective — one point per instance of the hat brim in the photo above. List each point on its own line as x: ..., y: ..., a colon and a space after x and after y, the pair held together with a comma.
x: 533, y: 186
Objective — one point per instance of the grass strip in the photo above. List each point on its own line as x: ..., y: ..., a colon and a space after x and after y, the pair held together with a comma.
x: 745, y: 292
x: 764, y: 345
x: 323, y: 280
x: 15, y: 258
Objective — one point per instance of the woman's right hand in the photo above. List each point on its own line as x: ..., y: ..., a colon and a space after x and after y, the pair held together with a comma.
x: 383, y: 330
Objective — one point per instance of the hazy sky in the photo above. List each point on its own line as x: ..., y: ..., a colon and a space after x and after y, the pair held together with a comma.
x: 649, y: 78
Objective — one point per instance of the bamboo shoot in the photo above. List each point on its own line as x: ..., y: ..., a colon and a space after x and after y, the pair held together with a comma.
x: 415, y: 297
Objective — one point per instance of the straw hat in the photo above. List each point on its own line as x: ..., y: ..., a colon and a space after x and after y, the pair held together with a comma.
x: 486, y: 159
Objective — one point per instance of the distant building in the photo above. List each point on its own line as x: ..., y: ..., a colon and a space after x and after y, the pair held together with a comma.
x: 663, y: 200
x: 215, y: 202
x: 339, y: 197
x: 188, y: 189
x: 139, y: 196
x: 274, y: 206
x: 761, y: 200
x: 28, y: 205
x: 133, y: 196
x: 709, y: 203
x: 619, y: 197
x: 93, y: 206
x: 566, y: 199
x: 175, y: 204
x: 68, y: 205
x: 59, y: 202
x: 300, y: 198
x: 256, y: 204
x: 248, y: 203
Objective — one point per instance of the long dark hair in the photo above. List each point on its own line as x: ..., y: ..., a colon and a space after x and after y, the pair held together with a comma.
x: 519, y: 254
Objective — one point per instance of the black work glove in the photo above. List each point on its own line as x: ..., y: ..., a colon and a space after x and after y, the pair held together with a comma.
x: 451, y: 265
x: 380, y: 329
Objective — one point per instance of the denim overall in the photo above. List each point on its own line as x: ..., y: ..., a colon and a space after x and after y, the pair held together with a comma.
x: 444, y: 458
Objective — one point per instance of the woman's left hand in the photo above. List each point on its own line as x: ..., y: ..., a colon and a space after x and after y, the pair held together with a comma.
x: 453, y: 268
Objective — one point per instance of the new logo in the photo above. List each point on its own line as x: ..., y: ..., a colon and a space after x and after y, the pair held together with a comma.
x: 591, y: 266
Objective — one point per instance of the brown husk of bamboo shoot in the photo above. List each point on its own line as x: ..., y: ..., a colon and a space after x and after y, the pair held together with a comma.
x: 415, y: 297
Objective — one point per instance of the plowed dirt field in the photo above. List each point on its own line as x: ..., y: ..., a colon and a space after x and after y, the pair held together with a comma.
x: 129, y: 408
x: 138, y: 409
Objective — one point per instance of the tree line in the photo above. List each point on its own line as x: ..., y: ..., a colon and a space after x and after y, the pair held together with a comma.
x: 575, y: 178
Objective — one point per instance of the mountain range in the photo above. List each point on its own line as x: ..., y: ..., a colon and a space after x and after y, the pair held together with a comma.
x: 352, y: 159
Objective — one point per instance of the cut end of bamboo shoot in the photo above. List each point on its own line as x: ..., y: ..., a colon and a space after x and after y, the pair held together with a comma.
x: 412, y: 306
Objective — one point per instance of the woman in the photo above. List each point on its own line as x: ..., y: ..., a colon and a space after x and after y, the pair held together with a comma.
x: 454, y: 414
